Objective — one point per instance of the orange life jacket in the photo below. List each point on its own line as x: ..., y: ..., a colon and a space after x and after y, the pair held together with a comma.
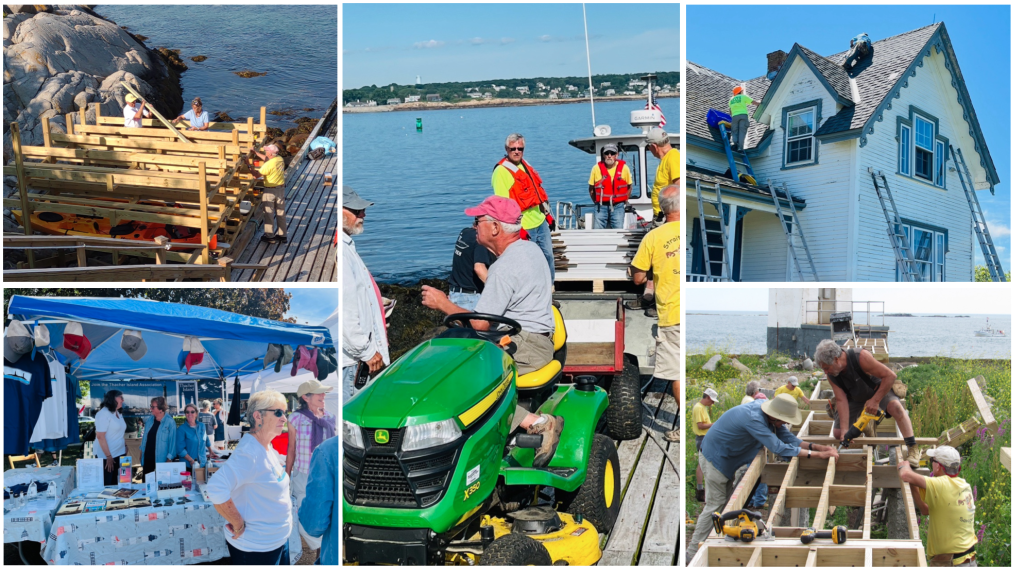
x: 526, y: 191
x: 608, y: 189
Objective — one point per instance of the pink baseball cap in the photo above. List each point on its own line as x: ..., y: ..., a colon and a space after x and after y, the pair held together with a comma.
x: 499, y: 208
x: 305, y: 358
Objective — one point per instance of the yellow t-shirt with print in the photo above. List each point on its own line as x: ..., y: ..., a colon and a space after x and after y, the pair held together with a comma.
x: 700, y: 414
x: 668, y: 170
x: 951, y: 511
x: 660, y: 251
x: 273, y: 172
x: 797, y: 393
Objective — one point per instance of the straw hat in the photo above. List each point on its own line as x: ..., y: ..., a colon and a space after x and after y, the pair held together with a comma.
x: 783, y: 407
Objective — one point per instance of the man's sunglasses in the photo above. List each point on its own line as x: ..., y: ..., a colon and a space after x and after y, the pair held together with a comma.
x: 516, y: 149
x: 356, y: 212
x: 277, y: 412
x: 610, y: 153
x: 191, y: 412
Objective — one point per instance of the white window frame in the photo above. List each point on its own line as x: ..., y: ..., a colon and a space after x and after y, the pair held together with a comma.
x: 937, y: 259
x: 808, y: 136
x: 931, y: 150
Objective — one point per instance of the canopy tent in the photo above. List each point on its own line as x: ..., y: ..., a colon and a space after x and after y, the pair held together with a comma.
x: 284, y: 382
x: 234, y: 344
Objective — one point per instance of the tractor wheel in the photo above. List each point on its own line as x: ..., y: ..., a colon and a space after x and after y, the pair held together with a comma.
x: 515, y: 550
x: 625, y: 412
x: 599, y: 498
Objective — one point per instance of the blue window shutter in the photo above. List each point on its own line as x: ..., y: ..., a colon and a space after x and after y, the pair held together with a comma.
x: 905, y: 149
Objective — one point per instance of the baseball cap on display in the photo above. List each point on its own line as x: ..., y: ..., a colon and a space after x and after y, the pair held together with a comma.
x: 192, y: 353
x: 76, y: 341
x: 133, y: 344
x: 17, y: 341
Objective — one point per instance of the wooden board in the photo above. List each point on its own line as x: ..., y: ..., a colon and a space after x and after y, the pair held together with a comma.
x: 1005, y: 457
x: 589, y: 353
x: 979, y: 400
x: 661, y: 541
x: 869, y: 441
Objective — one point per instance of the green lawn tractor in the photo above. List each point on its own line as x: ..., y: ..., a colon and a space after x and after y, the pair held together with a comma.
x: 434, y: 474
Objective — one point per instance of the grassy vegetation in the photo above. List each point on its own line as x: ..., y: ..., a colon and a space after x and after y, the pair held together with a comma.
x: 938, y: 399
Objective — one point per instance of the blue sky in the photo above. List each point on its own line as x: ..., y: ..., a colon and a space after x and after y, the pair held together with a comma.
x: 393, y: 43
x: 980, y: 36
x: 312, y: 306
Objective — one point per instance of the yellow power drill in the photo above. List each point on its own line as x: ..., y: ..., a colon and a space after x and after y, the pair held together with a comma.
x: 837, y: 534
x: 746, y: 530
x: 859, y: 426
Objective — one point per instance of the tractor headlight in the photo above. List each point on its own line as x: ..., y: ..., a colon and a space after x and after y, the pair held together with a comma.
x: 353, y: 435
x: 430, y: 434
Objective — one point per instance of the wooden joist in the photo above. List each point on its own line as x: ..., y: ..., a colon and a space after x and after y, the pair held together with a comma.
x: 1005, y: 457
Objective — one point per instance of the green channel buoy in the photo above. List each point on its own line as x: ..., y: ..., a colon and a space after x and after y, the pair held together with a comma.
x: 419, y: 124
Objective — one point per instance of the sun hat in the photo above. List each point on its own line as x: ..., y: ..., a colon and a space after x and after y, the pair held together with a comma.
x: 499, y: 208
x: 312, y: 387
x: 712, y: 394
x: 75, y: 340
x: 17, y: 341
x: 783, y: 407
x: 945, y: 455
x: 130, y: 98
x: 133, y: 344
x: 350, y: 199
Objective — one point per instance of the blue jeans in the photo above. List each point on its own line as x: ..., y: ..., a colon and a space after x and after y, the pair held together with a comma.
x: 541, y: 235
x: 465, y: 300
x: 348, y: 384
x: 606, y: 217
x: 276, y: 557
x: 760, y: 496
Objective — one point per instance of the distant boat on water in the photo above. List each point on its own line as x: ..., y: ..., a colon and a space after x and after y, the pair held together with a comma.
x: 988, y: 331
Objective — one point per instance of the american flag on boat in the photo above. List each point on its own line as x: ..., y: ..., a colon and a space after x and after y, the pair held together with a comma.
x: 652, y: 104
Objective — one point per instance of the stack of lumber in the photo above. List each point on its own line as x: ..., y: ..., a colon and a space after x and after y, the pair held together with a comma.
x: 583, y: 254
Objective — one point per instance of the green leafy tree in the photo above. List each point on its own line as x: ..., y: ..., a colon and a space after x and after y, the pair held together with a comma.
x: 981, y: 275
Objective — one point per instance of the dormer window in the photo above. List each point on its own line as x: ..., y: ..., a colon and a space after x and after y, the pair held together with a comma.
x: 799, y: 123
x: 922, y: 151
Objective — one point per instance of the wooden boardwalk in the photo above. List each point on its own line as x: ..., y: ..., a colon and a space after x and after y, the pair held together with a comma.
x: 311, y: 253
x: 647, y: 530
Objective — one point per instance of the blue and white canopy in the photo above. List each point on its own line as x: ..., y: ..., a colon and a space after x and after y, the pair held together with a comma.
x: 235, y: 344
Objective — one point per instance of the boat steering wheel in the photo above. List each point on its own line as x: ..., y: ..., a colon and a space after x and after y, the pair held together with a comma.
x: 463, y: 320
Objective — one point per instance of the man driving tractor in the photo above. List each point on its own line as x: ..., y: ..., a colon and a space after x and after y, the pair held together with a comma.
x: 518, y: 287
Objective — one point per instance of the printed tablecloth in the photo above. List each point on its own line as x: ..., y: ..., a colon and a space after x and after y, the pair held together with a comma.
x: 188, y: 533
x: 32, y: 520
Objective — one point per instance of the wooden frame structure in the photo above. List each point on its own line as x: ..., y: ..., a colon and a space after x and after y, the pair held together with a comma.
x: 147, y: 175
x: 824, y: 485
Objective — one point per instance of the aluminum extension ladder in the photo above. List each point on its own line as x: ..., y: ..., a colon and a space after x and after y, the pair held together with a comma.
x: 792, y: 227
x: 723, y: 231
x: 995, y: 269
x: 731, y: 156
x: 901, y: 246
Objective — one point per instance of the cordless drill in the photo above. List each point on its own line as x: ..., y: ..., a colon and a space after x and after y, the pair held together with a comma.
x: 837, y: 534
x: 859, y: 426
x: 746, y: 530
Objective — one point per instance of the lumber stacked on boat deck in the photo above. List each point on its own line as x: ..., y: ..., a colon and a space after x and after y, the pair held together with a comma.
x: 588, y: 254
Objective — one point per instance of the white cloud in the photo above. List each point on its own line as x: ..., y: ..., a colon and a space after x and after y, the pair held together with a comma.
x: 429, y: 44
x: 998, y: 229
x: 545, y: 38
x: 507, y: 40
x: 1000, y: 248
x: 476, y: 41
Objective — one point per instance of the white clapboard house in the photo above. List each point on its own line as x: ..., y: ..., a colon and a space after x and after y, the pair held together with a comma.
x: 878, y: 156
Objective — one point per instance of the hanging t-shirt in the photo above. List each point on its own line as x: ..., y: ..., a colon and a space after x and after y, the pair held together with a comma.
x: 113, y: 424
x: 72, y: 434
x: 26, y: 386
x: 53, y: 417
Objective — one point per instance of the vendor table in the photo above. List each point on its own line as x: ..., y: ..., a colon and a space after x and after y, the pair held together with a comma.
x: 32, y: 521
x: 188, y: 533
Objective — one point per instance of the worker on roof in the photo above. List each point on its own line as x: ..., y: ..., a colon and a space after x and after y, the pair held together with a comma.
x: 861, y: 383
x: 949, y: 501
x: 700, y: 420
x: 740, y: 121
x: 796, y: 392
x: 197, y: 118
x: 735, y: 440
x: 513, y: 178
x: 610, y: 185
x: 134, y: 111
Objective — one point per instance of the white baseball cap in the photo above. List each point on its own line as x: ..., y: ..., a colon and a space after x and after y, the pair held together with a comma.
x: 944, y: 455
x: 712, y: 394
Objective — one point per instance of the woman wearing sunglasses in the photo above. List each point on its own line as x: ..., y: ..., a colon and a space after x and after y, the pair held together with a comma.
x: 252, y: 490
x: 191, y: 440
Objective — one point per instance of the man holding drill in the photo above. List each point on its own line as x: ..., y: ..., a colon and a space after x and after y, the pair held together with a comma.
x: 734, y: 440
x: 948, y: 499
x: 863, y: 385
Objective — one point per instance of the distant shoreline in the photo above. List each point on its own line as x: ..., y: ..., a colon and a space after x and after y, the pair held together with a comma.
x: 492, y: 103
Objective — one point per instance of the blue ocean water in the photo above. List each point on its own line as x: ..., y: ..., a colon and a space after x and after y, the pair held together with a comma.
x: 918, y: 336
x: 420, y: 183
x: 297, y: 46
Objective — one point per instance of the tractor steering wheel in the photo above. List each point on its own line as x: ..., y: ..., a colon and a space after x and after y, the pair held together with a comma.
x: 463, y: 320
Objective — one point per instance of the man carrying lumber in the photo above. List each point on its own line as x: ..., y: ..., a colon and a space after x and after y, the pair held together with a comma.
x: 791, y: 389
x: 861, y: 383
x: 948, y: 499
x: 134, y: 111
x: 736, y: 439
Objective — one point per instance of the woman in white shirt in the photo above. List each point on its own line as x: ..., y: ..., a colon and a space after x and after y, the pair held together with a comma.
x: 110, y: 427
x: 252, y: 490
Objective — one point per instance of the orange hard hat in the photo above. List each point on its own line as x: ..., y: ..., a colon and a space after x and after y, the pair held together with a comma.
x: 737, y: 90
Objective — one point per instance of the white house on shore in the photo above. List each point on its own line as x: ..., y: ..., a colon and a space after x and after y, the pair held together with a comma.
x: 826, y: 128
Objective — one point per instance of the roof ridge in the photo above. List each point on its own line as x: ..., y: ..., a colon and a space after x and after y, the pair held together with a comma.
x: 875, y: 42
x: 702, y: 69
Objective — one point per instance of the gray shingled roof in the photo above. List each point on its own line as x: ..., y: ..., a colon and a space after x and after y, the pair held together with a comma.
x: 706, y: 88
x: 706, y: 176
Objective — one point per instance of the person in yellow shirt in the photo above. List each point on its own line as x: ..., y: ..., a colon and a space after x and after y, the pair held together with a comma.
x: 948, y: 499
x: 660, y: 145
x: 272, y: 174
x: 752, y: 387
x: 657, y: 259
x: 700, y: 420
x: 790, y: 388
x: 610, y: 185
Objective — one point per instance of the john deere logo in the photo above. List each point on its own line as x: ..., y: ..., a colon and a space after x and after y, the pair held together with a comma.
x: 381, y: 436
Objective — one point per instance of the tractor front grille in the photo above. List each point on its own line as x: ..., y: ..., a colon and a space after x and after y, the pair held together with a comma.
x: 383, y: 475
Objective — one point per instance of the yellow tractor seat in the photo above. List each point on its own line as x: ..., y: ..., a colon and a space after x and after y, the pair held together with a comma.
x: 551, y: 372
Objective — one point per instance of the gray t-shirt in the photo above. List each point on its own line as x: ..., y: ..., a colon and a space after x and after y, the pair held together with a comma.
x: 519, y: 287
